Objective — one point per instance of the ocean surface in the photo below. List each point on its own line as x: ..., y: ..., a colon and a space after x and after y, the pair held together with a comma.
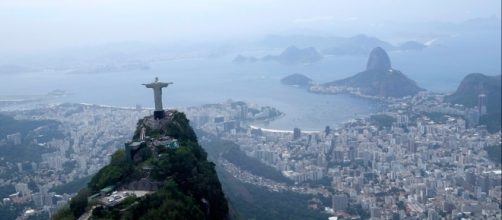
x: 213, y: 80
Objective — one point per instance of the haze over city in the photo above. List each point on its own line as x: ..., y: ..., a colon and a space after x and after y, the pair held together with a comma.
x: 247, y: 109
x: 46, y: 25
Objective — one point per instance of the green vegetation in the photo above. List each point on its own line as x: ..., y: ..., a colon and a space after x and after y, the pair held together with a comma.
x: 112, y: 174
x: 239, y: 158
x: 296, y: 80
x: 381, y: 83
x: 101, y: 212
x: 72, y: 186
x: 6, y: 190
x: 178, y: 128
x: 382, y: 121
x: 191, y: 189
x: 400, y: 205
x: 11, y: 211
x: 357, y: 209
x: 215, y: 146
x: 78, y: 204
x: 253, y: 202
x: 169, y: 203
x: 26, y: 151
x: 494, y: 153
x: 39, y: 216
x: 64, y: 213
x: 188, y: 167
x: 11, y: 125
x: 471, y: 87
x: 231, y: 152
x: 436, y: 117
x: 492, y: 121
x: 22, y: 153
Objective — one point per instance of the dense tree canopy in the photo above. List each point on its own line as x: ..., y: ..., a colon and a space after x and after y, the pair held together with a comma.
x: 190, y: 189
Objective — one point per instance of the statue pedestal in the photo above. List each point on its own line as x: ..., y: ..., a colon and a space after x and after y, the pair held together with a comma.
x: 159, y: 114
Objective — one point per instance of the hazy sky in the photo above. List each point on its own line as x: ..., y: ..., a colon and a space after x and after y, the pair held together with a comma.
x: 28, y: 25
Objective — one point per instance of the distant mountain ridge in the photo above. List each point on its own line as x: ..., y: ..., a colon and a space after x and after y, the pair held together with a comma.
x: 359, y: 45
x: 412, y: 45
x: 469, y: 90
x: 304, y: 49
x: 295, y: 55
x: 290, y: 56
x: 379, y: 79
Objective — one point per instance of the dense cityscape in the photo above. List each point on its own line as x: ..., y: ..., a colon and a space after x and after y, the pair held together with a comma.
x: 90, y: 135
x: 250, y: 110
x: 419, y: 158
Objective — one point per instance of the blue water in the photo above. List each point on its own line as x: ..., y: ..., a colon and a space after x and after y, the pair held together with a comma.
x: 205, y: 80
x: 199, y: 81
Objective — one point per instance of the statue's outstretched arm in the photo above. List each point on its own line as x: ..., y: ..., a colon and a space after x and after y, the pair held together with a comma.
x: 166, y: 84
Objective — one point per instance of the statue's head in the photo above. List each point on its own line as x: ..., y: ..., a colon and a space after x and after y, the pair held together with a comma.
x: 156, y: 79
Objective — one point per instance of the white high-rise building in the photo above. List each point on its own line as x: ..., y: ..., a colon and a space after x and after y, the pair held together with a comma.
x: 23, y: 189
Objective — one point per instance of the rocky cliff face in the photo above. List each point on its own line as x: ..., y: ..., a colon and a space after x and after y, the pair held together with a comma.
x: 378, y: 60
x: 379, y: 79
x: 163, y: 173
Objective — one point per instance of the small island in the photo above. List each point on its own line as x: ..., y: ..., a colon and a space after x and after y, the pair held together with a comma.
x: 297, y: 79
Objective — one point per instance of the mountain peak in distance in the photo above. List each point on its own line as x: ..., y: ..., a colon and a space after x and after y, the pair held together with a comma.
x: 378, y: 60
x: 379, y: 79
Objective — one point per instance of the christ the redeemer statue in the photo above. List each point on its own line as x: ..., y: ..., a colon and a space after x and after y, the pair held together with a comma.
x: 157, y: 95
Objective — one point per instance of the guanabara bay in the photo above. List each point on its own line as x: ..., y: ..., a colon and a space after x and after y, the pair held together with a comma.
x: 250, y: 110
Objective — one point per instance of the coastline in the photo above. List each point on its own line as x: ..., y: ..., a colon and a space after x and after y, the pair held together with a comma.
x: 280, y: 131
